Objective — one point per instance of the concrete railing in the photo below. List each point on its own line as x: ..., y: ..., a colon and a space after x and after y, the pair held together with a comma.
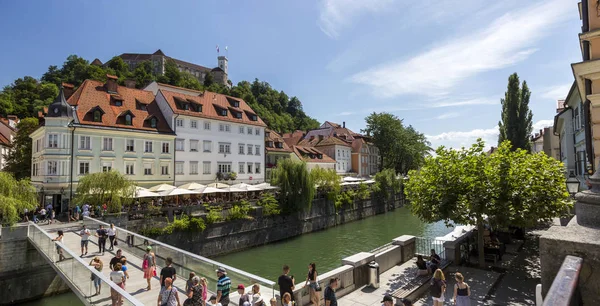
x: 564, y: 289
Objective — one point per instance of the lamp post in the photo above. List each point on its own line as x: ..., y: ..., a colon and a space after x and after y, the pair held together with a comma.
x: 573, y: 184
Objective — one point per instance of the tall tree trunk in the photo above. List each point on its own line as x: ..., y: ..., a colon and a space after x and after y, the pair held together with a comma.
x: 481, y: 255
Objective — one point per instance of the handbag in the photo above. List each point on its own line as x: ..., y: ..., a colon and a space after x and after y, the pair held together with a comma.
x: 318, y: 288
x: 116, y: 241
x: 145, y: 264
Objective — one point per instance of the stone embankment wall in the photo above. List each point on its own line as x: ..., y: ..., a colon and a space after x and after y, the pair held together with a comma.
x: 226, y: 237
x: 24, y: 273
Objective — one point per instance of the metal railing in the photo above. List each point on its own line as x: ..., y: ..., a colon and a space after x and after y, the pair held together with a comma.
x: 381, y: 249
x: 75, y: 271
x: 423, y: 247
x: 564, y: 290
x: 183, y: 261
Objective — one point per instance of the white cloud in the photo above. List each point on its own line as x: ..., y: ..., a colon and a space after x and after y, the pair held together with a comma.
x: 507, y: 40
x: 448, y: 115
x: 337, y: 14
x: 557, y: 92
x: 425, y: 105
x: 537, y: 126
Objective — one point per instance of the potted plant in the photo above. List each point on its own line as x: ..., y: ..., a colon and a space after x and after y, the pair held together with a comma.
x: 233, y: 176
x: 220, y: 176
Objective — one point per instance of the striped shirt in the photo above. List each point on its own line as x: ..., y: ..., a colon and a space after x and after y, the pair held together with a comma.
x: 224, y: 285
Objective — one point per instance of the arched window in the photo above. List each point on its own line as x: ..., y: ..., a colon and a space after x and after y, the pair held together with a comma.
x: 97, y: 116
x: 128, y: 119
x: 153, y: 122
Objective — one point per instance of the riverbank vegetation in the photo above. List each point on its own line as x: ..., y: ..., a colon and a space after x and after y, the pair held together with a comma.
x: 111, y: 188
x: 16, y: 196
x: 511, y: 188
x: 296, y: 186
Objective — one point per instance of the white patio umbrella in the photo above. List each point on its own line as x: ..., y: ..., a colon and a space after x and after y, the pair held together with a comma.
x: 161, y: 187
x: 352, y: 179
x: 210, y: 190
x: 177, y: 191
x: 192, y: 186
x: 234, y: 189
x: 141, y: 192
x: 369, y: 182
x: 218, y: 185
x: 265, y: 186
x: 247, y: 187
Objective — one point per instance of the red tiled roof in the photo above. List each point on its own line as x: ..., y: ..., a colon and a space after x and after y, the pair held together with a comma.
x: 333, y: 124
x: 326, y: 141
x: 7, y: 122
x: 4, y: 141
x: 92, y: 94
x: 210, y: 101
x: 293, y: 138
x: 304, y: 153
x: 275, y: 138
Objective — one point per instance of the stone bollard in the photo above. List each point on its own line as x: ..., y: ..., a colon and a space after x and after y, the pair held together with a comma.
x: 360, y: 263
x: 407, y: 243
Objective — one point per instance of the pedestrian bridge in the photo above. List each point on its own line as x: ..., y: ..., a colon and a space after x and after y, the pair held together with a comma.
x: 77, y: 272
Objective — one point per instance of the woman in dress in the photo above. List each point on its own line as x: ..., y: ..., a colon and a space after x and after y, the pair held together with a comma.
x: 313, y: 285
x: 168, y: 295
x: 112, y: 235
x: 438, y: 287
x: 118, y: 277
x: 194, y: 293
x: 149, y: 266
x: 59, y: 250
x: 462, y: 291
x: 204, y: 284
x: 97, y: 264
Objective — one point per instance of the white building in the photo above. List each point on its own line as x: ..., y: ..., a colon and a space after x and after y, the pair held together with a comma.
x: 8, y: 131
x: 216, y: 135
x: 112, y: 128
x: 333, y: 147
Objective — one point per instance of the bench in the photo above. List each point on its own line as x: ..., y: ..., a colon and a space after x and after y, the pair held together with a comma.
x: 416, y: 287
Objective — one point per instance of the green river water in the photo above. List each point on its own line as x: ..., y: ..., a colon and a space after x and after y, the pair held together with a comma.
x: 326, y: 248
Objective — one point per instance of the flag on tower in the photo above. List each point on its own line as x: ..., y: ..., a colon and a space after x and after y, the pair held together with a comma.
x: 225, y: 48
x: 217, y: 48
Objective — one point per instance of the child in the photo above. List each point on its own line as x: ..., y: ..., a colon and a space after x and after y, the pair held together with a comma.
x: 213, y: 301
x: 189, y: 283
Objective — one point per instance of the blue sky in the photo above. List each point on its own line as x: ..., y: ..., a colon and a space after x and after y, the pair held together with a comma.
x: 442, y: 66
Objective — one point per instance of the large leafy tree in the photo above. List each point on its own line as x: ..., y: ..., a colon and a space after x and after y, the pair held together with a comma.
x: 112, y: 188
x: 15, y: 197
x: 512, y: 188
x: 297, y: 188
x: 18, y: 160
x: 515, y: 123
x: 326, y: 181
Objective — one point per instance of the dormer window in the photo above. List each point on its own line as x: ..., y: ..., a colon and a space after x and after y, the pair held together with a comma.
x: 269, y: 144
x: 153, y: 122
x: 97, y: 116
x: 279, y: 145
x: 140, y: 106
x: 254, y: 118
x: 223, y: 112
x: 128, y: 119
x: 320, y: 156
x: 118, y: 103
x: 233, y: 102
x: 185, y: 106
x: 238, y: 115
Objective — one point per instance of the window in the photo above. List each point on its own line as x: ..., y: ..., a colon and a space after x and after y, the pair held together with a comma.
x: 193, y: 145
x: 179, y: 168
x: 128, y: 119
x: 153, y: 122
x: 207, y: 125
x: 179, y: 122
x: 253, y: 118
x: 165, y: 148
x: 576, y: 120
x: 179, y: 145
x: 107, y: 144
x: 242, y: 129
x: 257, y: 131
x: 53, y: 141
x: 338, y: 153
x: 84, y: 143
x: 580, y: 162
x: 279, y: 145
x: 36, y: 169
x: 118, y: 103
x: 164, y: 169
x: 241, y: 168
x: 241, y: 147
x: 148, y: 147
x: 129, y: 168
x: 97, y: 116
x: 224, y: 148
x: 37, y: 145
x: 193, y: 167
x: 257, y: 168
x: 224, y: 167
x: 194, y: 124
x: 221, y: 127
x: 223, y: 112
x: 129, y: 145
x: 205, y: 167
x: 227, y: 128
x: 147, y: 169
x: 249, y: 131
x: 257, y: 150
x: 84, y: 167
x: 249, y: 167
x: 207, y: 146
x: 52, y: 167
x: 249, y: 149
x: 238, y: 115
x: 106, y: 166
x: 140, y: 106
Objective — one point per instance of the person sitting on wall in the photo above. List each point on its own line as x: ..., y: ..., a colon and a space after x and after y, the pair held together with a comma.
x: 421, y: 266
x: 434, y: 261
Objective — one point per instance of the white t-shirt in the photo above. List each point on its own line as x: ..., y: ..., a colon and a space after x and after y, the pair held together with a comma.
x: 85, y: 234
x: 112, y: 232
x: 117, y: 276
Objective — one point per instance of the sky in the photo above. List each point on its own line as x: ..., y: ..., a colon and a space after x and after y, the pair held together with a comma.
x: 441, y: 66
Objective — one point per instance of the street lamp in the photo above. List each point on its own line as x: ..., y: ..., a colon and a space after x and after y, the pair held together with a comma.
x: 572, y: 184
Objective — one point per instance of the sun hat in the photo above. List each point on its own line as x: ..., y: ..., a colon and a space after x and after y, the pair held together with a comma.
x: 221, y: 270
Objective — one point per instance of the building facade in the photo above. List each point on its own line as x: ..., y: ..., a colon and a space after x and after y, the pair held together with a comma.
x: 276, y: 150
x: 333, y: 147
x: 100, y: 127
x: 217, y: 135
x: 8, y: 131
x: 314, y: 158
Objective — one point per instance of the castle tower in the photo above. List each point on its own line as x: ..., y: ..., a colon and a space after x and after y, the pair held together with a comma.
x: 223, y: 63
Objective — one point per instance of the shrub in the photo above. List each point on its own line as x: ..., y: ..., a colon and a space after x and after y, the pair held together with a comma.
x: 214, y: 215
x: 197, y: 224
x: 270, y: 205
x: 344, y: 198
x: 363, y: 192
x: 239, y: 210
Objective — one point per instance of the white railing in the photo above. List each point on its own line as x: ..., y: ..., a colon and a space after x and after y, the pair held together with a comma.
x: 75, y: 271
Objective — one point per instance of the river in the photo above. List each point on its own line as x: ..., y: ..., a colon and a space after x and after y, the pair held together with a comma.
x: 326, y: 248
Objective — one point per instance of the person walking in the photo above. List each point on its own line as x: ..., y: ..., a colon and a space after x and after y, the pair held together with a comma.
x: 49, y: 213
x: 115, y: 260
x: 85, y: 239
x: 438, y: 287
x: 167, y: 272
x: 223, y: 287
x: 86, y: 210
x: 194, y: 293
x: 59, y: 249
x: 329, y: 294
x: 118, y: 277
x: 244, y: 298
x: 98, y: 265
x: 102, y: 234
x: 77, y: 211
x: 462, y: 291
x: 112, y: 235
x: 124, y: 269
x: 313, y: 284
x: 286, y: 283
x: 43, y: 214
x: 168, y: 296
x: 189, y: 283
x: 149, y: 266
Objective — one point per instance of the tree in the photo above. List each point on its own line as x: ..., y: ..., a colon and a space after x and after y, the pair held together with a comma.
x: 209, y: 79
x: 515, y: 121
x: 297, y: 188
x: 112, y: 188
x: 18, y: 160
x: 144, y: 73
x: 327, y: 181
x: 15, y: 197
x: 512, y: 188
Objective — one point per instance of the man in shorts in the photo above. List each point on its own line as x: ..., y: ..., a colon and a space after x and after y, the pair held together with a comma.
x: 85, y: 239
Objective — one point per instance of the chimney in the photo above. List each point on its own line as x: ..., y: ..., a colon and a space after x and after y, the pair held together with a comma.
x: 541, y: 132
x: 344, y: 124
x: 111, y: 83
x: 68, y: 89
x: 130, y: 83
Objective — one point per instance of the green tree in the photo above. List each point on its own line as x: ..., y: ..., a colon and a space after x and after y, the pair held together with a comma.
x: 15, y: 197
x: 326, y: 181
x: 512, y: 188
x: 387, y: 185
x: 515, y: 123
x: 112, y: 188
x: 119, y: 66
x: 189, y: 81
x: 297, y: 189
x: 144, y: 74
x: 18, y: 160
x: 209, y: 79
